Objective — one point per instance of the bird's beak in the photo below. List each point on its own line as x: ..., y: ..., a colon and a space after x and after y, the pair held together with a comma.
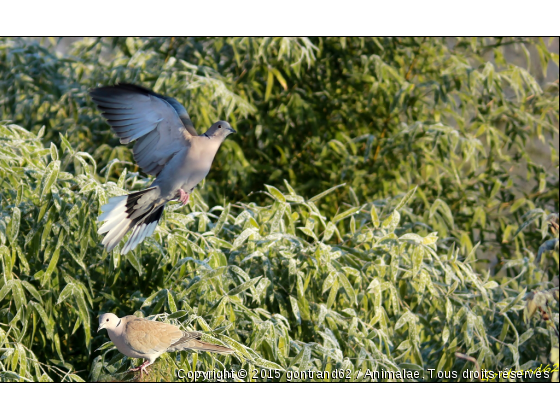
x: 101, y: 326
x: 232, y: 130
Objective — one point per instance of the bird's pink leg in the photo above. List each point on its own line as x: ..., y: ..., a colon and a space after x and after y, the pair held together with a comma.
x: 183, y: 196
x: 141, y: 368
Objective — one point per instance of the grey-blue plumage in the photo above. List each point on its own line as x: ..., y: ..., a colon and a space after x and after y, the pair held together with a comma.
x: 166, y: 145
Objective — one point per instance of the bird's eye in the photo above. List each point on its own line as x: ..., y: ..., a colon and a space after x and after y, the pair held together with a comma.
x: 107, y: 320
x: 219, y: 126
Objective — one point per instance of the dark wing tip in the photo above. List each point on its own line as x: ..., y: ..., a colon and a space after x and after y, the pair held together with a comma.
x: 103, y: 91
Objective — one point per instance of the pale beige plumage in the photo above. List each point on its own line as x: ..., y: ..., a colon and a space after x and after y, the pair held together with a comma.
x: 143, y: 338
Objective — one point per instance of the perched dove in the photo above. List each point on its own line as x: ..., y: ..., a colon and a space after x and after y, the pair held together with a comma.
x: 142, y: 338
x: 167, y: 146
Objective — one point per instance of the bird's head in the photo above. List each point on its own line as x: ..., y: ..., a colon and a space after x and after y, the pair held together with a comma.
x: 220, y: 129
x: 108, y: 321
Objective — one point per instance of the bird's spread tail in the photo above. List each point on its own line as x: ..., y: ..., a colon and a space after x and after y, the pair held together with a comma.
x: 133, y: 212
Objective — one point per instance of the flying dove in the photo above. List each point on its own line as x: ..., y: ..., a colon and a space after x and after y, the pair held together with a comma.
x: 167, y: 146
x: 142, y: 338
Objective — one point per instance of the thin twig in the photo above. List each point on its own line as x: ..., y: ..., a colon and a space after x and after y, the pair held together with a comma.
x: 473, y: 360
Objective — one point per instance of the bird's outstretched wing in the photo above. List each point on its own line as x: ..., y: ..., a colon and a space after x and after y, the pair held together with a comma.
x: 161, y: 126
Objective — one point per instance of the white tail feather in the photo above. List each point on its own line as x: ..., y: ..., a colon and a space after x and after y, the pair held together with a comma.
x: 112, y: 222
x: 118, y: 236
x: 129, y: 212
x: 139, y: 236
x: 153, y: 227
x: 130, y: 243
x: 115, y: 232
x: 115, y: 206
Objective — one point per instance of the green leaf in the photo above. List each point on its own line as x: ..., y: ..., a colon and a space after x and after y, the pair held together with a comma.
x: 324, y: 193
x: 275, y: 193
x: 308, y: 232
x: 269, y: 84
x: 345, y: 214
x: 244, y: 286
x: 532, y: 218
x: 131, y: 256
x: 392, y: 221
x: 223, y: 218
x: 67, y: 292
x: 329, y: 281
x: 16, y: 217
x: 54, y: 152
x: 49, y: 178
x: 417, y: 258
x: 374, y: 216
x: 171, y: 302
x: 406, y: 198
x: 347, y: 287
x: 295, y: 309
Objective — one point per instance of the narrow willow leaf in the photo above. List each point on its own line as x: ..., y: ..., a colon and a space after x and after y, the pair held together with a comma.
x: 18, y: 294
x: 295, y: 309
x: 31, y: 289
x: 445, y: 335
x: 44, y: 318
x: 392, y: 221
x: 432, y: 238
x: 240, y: 272
x: 131, y: 256
x: 308, y: 232
x: 269, y: 84
x: 329, y: 281
x: 406, y: 198
x: 413, y: 237
x: 243, y: 237
x: 495, y: 188
x: 244, y: 286
x: 347, y: 287
x: 49, y: 178
x: 417, y: 258
x: 514, y: 301
x: 280, y: 78
x: 324, y: 193
x: 65, y: 144
x: 67, y: 292
x: 374, y: 216
x: 329, y: 230
x: 177, y: 314
x: 171, y: 302
x: 534, y: 217
x: 223, y: 218
x: 332, y: 293
x: 275, y: 193
x: 16, y: 217
x: 405, y: 318
x: 345, y: 214
x: 6, y: 289
x: 54, y: 152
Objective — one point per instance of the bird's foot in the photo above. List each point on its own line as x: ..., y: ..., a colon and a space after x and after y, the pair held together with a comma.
x: 142, y: 368
x: 183, y: 196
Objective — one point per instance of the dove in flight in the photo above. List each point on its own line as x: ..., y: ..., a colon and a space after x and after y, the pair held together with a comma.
x: 166, y: 146
x: 143, y: 338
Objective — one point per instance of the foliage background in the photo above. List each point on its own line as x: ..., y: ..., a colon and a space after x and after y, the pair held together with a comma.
x: 352, y: 279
